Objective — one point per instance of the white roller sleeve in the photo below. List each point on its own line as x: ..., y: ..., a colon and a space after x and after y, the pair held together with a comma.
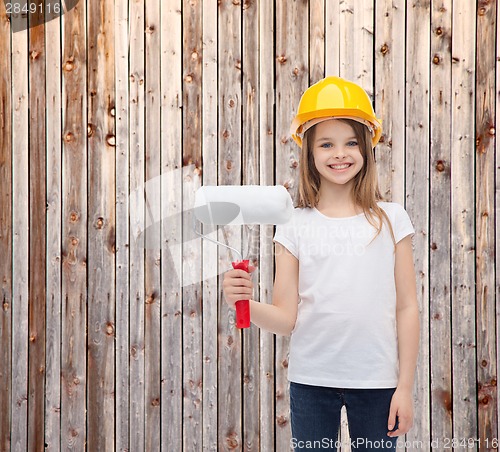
x: 243, y: 204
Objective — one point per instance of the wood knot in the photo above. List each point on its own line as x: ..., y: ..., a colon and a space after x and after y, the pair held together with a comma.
x: 194, y: 55
x: 384, y: 49
x: 481, y: 11
x: 34, y: 55
x: 439, y: 31
x: 112, y: 112
x: 433, y: 246
x: 232, y: 441
x: 229, y: 165
x: 74, y: 241
x: 68, y: 66
x: 440, y: 165
x: 225, y: 134
x: 282, y: 59
x: 491, y: 131
x: 231, y: 103
x: 237, y: 65
x: 284, y: 363
x: 155, y: 402
x: 90, y: 130
x: 99, y: 223
x: 484, y: 363
x: 436, y: 59
x: 189, y: 78
x: 74, y: 217
x: 110, y: 329
x: 69, y: 137
x: 111, y: 140
x: 282, y: 421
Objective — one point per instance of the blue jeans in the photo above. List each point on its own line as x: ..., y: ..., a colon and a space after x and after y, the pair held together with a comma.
x: 315, y: 417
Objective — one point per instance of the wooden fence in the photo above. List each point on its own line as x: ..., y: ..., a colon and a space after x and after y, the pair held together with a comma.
x: 113, y: 332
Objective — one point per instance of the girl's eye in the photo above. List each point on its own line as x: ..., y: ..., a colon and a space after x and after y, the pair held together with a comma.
x: 329, y: 145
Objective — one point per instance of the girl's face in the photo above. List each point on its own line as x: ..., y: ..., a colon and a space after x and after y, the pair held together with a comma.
x: 336, y: 152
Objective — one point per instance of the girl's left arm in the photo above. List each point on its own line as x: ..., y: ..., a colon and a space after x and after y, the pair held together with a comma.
x: 407, y: 315
x: 408, y: 330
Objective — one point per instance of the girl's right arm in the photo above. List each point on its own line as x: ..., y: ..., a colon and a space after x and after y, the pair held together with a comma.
x: 280, y: 316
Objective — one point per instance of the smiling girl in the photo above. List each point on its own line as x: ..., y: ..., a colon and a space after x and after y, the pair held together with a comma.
x: 345, y: 284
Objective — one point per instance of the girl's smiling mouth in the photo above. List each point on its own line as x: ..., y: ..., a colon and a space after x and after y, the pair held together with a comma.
x: 340, y: 167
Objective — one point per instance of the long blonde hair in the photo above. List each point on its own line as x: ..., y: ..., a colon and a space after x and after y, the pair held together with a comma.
x: 365, y: 192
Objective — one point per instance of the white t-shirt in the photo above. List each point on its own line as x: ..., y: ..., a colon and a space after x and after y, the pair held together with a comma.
x: 345, y: 334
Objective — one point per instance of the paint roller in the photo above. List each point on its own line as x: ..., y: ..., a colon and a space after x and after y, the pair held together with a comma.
x: 241, y: 205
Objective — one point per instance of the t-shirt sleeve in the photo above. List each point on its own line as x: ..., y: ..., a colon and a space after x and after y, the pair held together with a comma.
x: 286, y: 235
x: 403, y: 225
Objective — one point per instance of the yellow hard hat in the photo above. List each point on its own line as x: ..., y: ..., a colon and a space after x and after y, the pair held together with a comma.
x: 334, y: 97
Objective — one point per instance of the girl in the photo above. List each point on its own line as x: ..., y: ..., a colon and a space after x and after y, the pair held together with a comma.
x: 345, y: 284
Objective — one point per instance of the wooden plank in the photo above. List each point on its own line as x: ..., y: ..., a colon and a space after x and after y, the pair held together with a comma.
x: 390, y: 96
x: 191, y: 270
x: 171, y: 189
x: 440, y: 212
x: 485, y: 233
x: 6, y: 194
x: 101, y: 226
x: 137, y: 218
x: 332, y: 38
x: 74, y: 240
x: 416, y: 194
x: 463, y: 215
x: 37, y: 250
x: 152, y: 343
x: 251, y: 238
x: 496, y: 257
x: 230, y: 168
x: 316, y: 40
x: 292, y: 75
x: 266, y: 259
x: 20, y: 238
x: 356, y: 42
x: 210, y: 250
x: 123, y: 298
x: 54, y: 234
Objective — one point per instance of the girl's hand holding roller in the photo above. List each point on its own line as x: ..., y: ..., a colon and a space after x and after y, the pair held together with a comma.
x: 237, y: 285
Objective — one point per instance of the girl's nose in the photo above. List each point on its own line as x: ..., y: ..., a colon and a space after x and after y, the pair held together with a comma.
x: 339, y: 152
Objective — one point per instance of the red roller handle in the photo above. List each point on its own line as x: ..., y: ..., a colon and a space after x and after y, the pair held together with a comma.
x: 242, y: 306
